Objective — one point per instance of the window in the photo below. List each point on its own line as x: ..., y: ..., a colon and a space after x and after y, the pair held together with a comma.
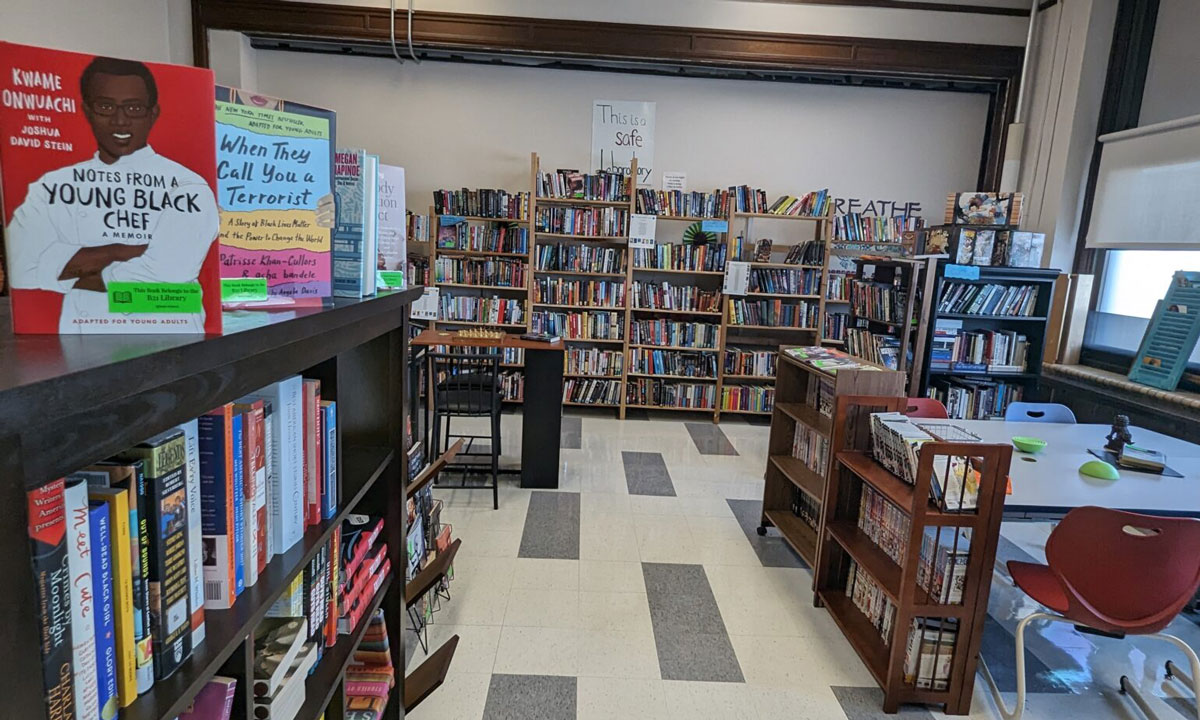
x: 1133, y: 283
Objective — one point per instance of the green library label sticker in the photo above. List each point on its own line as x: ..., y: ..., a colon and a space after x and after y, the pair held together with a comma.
x: 138, y: 297
x: 243, y: 289
x: 389, y: 278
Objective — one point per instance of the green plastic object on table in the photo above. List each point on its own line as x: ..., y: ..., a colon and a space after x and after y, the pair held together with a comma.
x: 1099, y: 469
x: 1028, y: 444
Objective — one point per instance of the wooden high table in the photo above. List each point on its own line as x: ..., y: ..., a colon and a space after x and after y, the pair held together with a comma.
x: 541, y: 424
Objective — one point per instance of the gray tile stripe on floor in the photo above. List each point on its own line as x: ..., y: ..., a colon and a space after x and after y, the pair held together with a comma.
x: 866, y: 703
x: 551, y: 526
x: 772, y: 550
x: 689, y: 633
x: 646, y: 474
x: 709, y: 439
x: 571, y: 435
x: 531, y: 697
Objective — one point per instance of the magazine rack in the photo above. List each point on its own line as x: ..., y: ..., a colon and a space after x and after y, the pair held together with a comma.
x: 922, y: 646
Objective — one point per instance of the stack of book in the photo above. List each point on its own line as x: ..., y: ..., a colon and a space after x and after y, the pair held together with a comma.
x: 670, y: 332
x: 512, y: 385
x: 370, y: 676
x: 680, y: 203
x: 665, y: 296
x: 417, y: 226
x: 672, y: 362
x: 746, y: 199
x: 838, y: 287
x: 811, y: 448
x: 591, y: 361
x: 418, y: 270
x: 480, y: 238
x: 988, y: 299
x: 661, y: 393
x: 820, y: 395
x: 806, y: 508
x: 859, y: 228
x: 581, y: 259
x: 971, y: 399
x: 591, y: 325
x: 896, y: 443
x: 877, y: 301
x: 365, y: 567
x: 499, y: 204
x: 488, y: 311
x: 785, y: 282
x: 776, y: 313
x: 827, y: 359
x: 868, y: 597
x: 979, y: 351
x: 284, y: 654
x: 814, y: 204
x: 835, y: 325
x: 674, y: 256
x: 130, y: 552
x: 592, y: 222
x: 595, y: 293
x: 878, y: 348
x: 929, y: 652
x: 757, y: 363
x: 495, y: 272
x: 748, y: 398
x: 607, y: 186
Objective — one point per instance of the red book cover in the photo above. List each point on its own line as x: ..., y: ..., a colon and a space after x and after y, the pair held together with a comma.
x: 312, y: 452
x: 108, y: 174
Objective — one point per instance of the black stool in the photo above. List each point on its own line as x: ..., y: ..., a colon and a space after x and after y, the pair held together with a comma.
x: 468, y: 385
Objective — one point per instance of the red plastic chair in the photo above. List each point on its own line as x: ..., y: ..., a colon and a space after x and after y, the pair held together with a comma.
x: 925, y: 408
x: 1115, y: 572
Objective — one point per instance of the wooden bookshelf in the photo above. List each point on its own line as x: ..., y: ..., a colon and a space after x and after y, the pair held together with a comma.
x: 900, y: 277
x: 107, y: 393
x: 898, y: 575
x: 797, y: 385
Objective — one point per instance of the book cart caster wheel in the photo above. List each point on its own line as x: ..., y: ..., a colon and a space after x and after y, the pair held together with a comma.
x: 762, y: 530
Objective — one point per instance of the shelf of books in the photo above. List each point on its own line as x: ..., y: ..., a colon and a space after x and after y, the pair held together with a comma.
x: 911, y: 520
x: 226, y: 482
x: 987, y: 339
x: 783, y: 298
x: 856, y: 234
x: 881, y: 320
x: 808, y: 381
x: 481, y: 259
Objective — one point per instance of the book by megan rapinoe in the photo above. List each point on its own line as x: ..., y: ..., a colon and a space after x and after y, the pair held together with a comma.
x: 275, y: 191
x: 107, y: 171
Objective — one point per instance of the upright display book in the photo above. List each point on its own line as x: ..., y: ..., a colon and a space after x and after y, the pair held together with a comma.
x: 83, y: 603
x: 983, y: 208
x: 1171, y: 334
x: 108, y: 174
x: 275, y: 191
x: 104, y: 620
x: 52, y: 576
x: 348, y: 234
x: 391, y: 229
x: 164, y: 458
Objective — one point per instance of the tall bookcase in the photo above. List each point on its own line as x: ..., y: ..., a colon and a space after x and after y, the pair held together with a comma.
x: 66, y: 402
x: 943, y: 378
x: 904, y: 577
x: 883, y: 302
x: 799, y: 450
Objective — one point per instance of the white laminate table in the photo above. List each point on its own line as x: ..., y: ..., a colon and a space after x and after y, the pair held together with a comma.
x: 1048, y: 484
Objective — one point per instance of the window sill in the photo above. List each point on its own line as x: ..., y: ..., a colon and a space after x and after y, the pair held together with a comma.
x: 1117, y: 385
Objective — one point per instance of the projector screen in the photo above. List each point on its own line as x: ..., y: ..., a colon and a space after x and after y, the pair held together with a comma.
x: 1148, y: 188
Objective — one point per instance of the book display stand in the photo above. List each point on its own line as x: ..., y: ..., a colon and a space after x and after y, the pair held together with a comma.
x: 906, y: 576
x: 67, y: 402
x: 800, y: 448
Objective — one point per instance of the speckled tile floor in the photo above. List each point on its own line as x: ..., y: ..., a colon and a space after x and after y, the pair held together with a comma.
x: 613, y: 598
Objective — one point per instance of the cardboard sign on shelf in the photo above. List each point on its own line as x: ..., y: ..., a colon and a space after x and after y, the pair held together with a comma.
x: 641, y: 230
x: 672, y: 180
x: 737, y: 278
x: 426, y: 306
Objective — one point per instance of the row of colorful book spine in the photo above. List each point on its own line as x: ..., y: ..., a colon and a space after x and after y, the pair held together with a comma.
x: 785, y: 282
x: 676, y: 256
x: 673, y: 362
x: 777, y: 313
x: 606, y: 222
x: 596, y: 293
x: 483, y: 238
x: 572, y: 184
x: 665, y: 296
x: 665, y: 393
x: 595, y: 325
x: 593, y: 361
x: 750, y: 398
x: 563, y: 257
x: 759, y: 363
x: 495, y: 272
x: 485, y: 310
x: 484, y: 202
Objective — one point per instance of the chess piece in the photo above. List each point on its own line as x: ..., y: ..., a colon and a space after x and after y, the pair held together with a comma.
x: 1119, y: 436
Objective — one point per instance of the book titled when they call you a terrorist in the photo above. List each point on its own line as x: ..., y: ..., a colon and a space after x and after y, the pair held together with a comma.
x: 108, y: 172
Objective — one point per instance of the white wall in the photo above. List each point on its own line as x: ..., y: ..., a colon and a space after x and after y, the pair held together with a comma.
x: 233, y: 61
x: 1172, y: 90
x: 755, y: 15
x: 135, y: 29
x: 456, y: 125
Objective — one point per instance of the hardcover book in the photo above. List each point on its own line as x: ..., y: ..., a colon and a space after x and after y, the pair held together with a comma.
x: 275, y: 191
x: 329, y: 464
x: 83, y: 604
x: 286, y: 477
x: 52, y: 575
x: 116, y: 503
x: 220, y: 491
x: 348, y: 234
x: 164, y: 459
x: 108, y: 169
x: 312, y: 452
x: 107, y: 700
x: 191, y: 435
x: 392, y: 228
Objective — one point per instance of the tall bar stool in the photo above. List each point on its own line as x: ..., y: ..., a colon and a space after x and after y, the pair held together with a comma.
x: 465, y: 385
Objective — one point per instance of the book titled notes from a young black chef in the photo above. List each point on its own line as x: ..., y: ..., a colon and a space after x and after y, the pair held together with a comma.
x: 108, y: 171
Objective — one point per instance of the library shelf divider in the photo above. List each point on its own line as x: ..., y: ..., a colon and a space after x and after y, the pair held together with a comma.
x: 800, y: 392
x: 916, y: 604
x: 139, y: 385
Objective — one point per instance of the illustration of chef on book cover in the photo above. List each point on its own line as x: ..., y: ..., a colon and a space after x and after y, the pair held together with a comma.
x: 108, y: 172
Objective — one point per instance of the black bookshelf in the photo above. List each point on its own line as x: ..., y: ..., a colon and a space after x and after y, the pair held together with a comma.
x: 1032, y: 326
x: 66, y: 401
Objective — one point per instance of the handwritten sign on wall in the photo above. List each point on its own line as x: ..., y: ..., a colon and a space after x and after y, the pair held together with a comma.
x: 621, y: 131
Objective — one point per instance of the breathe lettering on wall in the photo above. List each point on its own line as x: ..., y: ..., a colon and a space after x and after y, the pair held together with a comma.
x: 876, y: 208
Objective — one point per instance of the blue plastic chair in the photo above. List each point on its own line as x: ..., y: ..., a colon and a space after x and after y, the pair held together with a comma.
x: 1039, y: 412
